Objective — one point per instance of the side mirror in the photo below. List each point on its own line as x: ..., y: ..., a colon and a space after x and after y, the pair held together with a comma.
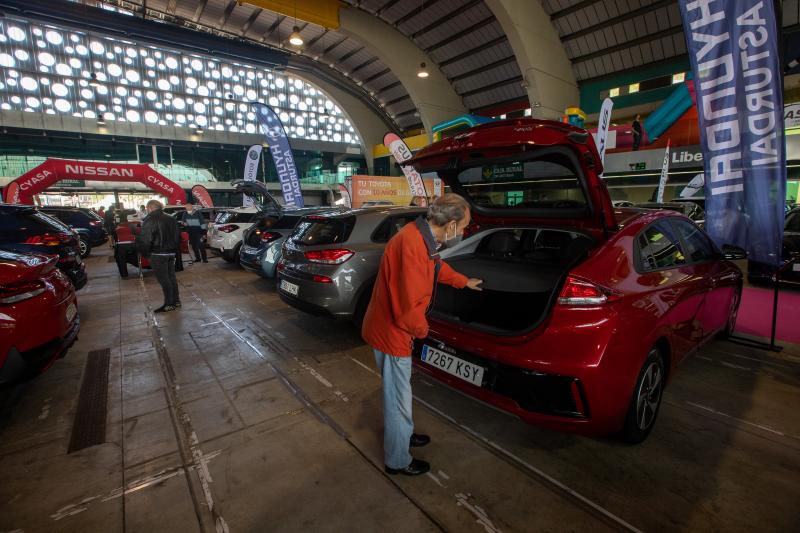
x: 733, y: 253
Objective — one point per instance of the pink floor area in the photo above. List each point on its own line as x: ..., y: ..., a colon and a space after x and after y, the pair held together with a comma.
x: 755, y: 314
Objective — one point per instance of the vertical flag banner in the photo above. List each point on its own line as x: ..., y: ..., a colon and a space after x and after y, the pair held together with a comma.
x: 348, y: 201
x: 602, y: 127
x: 251, y: 170
x: 733, y: 50
x: 664, y: 174
x: 402, y: 153
x: 201, y: 196
x: 281, y: 154
x: 696, y: 184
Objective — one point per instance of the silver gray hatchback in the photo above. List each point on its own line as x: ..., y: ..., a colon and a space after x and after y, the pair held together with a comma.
x: 330, y: 263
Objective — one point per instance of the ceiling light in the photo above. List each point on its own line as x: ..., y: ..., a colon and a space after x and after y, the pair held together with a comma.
x: 423, y: 71
x: 295, y: 39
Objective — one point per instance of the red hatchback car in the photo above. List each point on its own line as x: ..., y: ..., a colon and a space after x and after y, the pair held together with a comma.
x: 38, y: 314
x: 586, y: 310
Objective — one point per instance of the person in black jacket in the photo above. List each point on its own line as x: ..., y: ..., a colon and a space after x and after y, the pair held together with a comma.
x: 196, y: 228
x: 159, y: 241
x: 637, y: 131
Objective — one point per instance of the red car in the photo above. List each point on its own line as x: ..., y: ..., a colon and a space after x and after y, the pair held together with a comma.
x: 38, y: 314
x: 586, y: 310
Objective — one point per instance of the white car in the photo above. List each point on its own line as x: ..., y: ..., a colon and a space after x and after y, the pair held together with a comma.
x: 225, y: 234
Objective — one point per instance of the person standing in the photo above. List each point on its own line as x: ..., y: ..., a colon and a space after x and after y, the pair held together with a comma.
x: 158, y: 241
x: 409, y: 271
x: 142, y: 212
x: 109, y: 224
x: 125, y: 248
x: 196, y: 228
x: 101, y: 212
x: 637, y: 131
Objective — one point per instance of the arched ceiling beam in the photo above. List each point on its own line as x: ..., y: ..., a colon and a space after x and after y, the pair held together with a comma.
x: 546, y: 70
x: 434, y: 96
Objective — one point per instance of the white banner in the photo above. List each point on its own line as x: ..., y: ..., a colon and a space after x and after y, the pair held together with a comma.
x: 664, y: 172
x: 697, y: 184
x: 251, y: 170
x: 791, y: 115
x: 402, y: 153
x: 602, y: 128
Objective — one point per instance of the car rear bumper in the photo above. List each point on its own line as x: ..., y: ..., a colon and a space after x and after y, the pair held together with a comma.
x: 77, y: 275
x: 19, y: 365
x: 251, y: 261
x: 313, y: 296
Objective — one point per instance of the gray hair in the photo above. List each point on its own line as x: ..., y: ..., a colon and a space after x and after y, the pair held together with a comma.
x: 154, y: 204
x: 447, y: 208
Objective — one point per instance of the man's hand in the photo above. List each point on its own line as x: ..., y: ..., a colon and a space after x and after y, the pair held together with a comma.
x: 474, y: 284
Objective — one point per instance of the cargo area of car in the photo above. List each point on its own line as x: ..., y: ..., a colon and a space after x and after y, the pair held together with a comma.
x: 522, y: 269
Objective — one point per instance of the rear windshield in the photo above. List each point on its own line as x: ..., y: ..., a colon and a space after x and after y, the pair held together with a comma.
x: 547, y: 182
x: 316, y: 230
x: 228, y: 217
x: 18, y: 225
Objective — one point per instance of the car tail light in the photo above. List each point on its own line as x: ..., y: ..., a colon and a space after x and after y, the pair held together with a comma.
x: 322, y: 279
x: 17, y: 292
x: 580, y: 292
x: 228, y: 228
x: 329, y: 257
x: 281, y: 266
x: 268, y: 236
x: 95, y: 223
x: 49, y: 239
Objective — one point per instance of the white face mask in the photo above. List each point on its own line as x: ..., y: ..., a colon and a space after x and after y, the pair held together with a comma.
x: 454, y: 240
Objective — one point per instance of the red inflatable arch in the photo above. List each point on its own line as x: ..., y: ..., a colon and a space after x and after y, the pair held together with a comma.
x: 22, y: 189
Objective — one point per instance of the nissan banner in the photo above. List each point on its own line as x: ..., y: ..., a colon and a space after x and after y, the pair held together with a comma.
x: 733, y: 49
x: 281, y: 155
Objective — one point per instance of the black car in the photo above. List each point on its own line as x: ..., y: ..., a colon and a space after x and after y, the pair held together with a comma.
x: 689, y: 208
x: 25, y: 229
x: 86, y: 223
x: 760, y: 273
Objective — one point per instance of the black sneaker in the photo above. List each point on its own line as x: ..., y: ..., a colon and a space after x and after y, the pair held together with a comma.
x: 165, y: 309
x: 177, y: 304
x: 419, y: 440
x: 414, y: 468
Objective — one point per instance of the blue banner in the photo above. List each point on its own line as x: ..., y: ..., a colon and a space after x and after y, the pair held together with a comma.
x: 281, y: 155
x: 733, y: 49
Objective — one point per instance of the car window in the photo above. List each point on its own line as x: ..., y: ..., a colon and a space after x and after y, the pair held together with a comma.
x: 17, y: 226
x: 317, y: 230
x: 549, y: 181
x: 698, y: 247
x: 793, y: 223
x: 391, y: 226
x: 287, y: 222
x: 659, y: 247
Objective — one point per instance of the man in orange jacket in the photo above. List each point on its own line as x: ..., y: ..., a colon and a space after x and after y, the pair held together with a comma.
x: 396, y: 315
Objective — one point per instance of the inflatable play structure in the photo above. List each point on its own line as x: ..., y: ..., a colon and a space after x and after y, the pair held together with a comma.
x: 36, y: 180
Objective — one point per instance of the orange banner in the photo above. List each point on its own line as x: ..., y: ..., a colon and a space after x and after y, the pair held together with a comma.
x: 392, y: 189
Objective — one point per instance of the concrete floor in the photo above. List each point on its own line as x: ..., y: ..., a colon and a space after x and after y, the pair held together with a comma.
x: 238, y: 413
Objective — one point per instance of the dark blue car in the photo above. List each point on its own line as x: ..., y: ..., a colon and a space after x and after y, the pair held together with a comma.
x: 86, y: 223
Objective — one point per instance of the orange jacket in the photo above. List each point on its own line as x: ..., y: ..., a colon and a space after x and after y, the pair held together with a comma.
x: 403, y: 290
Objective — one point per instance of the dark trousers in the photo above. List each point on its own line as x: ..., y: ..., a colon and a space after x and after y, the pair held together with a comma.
x: 164, y: 267
x: 196, y: 242
x: 637, y: 139
x: 124, y: 254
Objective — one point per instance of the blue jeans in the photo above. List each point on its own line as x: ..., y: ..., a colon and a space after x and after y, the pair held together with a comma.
x: 397, y: 423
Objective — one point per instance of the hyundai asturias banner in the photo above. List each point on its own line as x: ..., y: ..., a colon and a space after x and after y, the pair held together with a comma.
x: 733, y: 49
x: 281, y: 154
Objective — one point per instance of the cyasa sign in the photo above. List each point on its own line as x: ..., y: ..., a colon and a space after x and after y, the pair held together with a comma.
x: 281, y: 154
x: 733, y: 50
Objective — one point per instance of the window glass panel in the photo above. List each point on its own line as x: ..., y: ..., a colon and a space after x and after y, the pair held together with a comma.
x: 698, y: 248
x: 793, y: 223
x: 660, y: 248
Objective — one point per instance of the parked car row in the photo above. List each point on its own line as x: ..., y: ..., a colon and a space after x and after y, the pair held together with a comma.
x: 40, y: 269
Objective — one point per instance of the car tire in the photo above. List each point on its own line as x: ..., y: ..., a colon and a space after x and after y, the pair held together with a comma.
x: 84, y: 247
x: 361, y: 308
x: 730, y: 325
x: 646, y: 399
x: 232, y: 256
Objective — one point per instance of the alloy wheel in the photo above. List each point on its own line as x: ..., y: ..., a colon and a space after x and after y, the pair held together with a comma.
x: 82, y: 248
x: 648, y: 396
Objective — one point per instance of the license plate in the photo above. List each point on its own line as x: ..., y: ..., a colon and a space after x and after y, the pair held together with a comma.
x: 291, y: 288
x: 452, y: 365
x: 71, y: 312
x: 249, y: 250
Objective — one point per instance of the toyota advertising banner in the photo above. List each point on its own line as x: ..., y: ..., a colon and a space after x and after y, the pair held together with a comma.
x: 281, y: 154
x: 733, y: 49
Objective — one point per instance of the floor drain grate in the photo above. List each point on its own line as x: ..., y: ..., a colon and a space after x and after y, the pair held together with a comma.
x: 89, y: 428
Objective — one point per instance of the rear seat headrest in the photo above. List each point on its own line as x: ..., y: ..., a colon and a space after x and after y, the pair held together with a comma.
x: 502, y: 242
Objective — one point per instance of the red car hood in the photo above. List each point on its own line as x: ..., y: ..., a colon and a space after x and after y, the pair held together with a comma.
x: 15, y: 267
x: 510, y: 138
